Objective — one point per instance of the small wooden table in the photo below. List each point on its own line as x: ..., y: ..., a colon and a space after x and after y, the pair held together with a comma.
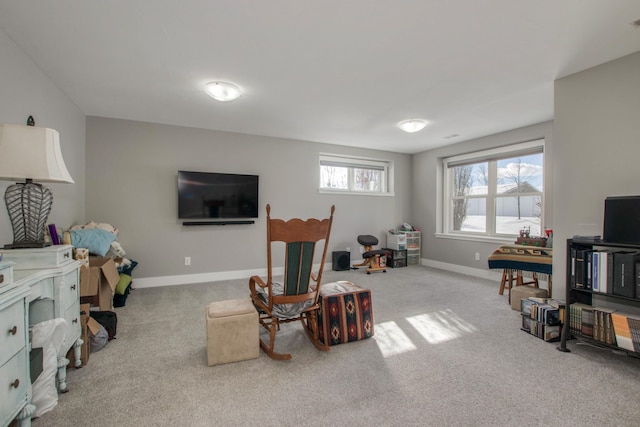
x: 514, y: 259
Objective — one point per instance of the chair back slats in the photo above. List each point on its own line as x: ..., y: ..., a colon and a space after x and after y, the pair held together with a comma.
x: 299, y: 262
x: 296, y: 297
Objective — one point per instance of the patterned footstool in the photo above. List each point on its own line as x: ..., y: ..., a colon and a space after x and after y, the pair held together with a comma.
x: 345, y: 313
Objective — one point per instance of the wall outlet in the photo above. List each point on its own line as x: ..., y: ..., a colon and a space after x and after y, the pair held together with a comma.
x: 477, y: 256
x: 187, y: 260
x: 361, y: 249
x: 348, y: 249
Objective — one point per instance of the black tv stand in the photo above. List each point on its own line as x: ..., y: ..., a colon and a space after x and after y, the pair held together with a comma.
x: 230, y: 222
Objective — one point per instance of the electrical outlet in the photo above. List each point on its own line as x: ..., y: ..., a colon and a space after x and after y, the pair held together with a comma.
x: 187, y: 260
x: 348, y: 249
x: 361, y: 250
x: 477, y: 256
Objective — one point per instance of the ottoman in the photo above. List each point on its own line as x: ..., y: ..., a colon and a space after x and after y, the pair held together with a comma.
x: 523, y: 292
x: 232, y: 331
x: 345, y: 313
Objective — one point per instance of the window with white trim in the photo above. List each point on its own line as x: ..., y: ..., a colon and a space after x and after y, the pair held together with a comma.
x: 355, y: 175
x: 495, y: 193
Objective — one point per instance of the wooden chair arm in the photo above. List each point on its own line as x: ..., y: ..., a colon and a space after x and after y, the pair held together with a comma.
x: 253, y: 280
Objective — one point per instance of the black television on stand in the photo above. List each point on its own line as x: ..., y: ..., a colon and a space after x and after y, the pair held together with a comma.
x: 211, y: 198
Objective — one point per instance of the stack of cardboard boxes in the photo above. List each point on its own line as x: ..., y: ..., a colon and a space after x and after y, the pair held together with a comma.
x: 98, y: 280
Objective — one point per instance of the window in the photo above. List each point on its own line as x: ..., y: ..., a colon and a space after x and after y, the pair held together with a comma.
x: 355, y: 175
x: 495, y: 193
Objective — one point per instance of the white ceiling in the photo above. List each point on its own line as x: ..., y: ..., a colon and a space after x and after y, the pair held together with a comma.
x: 333, y: 71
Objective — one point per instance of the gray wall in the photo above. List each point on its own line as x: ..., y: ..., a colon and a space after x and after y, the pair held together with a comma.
x: 25, y: 90
x: 597, y: 147
x: 132, y: 183
x: 427, y: 182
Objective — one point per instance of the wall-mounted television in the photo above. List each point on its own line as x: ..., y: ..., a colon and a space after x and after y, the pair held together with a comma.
x: 210, y: 196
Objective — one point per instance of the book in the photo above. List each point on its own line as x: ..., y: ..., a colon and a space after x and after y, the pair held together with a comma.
x: 53, y: 232
x: 634, y: 329
x: 587, y: 259
x: 638, y: 280
x: 624, y: 273
x: 603, y: 271
x: 602, y: 328
x: 622, y: 331
x: 579, y: 269
x: 595, y: 272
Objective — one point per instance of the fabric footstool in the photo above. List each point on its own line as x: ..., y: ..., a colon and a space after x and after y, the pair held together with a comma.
x: 345, y: 313
x: 523, y: 292
x: 232, y: 331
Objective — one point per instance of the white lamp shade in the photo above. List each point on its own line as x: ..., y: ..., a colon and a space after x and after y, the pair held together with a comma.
x: 29, y: 152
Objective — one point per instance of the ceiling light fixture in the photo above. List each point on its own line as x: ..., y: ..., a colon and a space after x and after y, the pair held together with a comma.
x: 222, y: 91
x: 412, y: 125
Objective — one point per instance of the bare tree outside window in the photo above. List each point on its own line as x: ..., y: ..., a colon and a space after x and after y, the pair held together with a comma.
x: 461, y: 185
x: 519, y: 173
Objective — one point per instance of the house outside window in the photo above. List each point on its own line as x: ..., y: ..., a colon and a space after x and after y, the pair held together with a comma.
x: 355, y: 175
x: 495, y: 193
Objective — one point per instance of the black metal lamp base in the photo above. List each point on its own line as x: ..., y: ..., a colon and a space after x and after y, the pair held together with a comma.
x: 26, y: 245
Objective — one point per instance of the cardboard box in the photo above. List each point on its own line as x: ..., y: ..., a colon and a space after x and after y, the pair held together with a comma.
x: 98, y: 282
x: 85, y: 349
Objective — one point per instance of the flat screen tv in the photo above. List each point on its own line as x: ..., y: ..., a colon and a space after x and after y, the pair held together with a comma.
x: 207, y: 195
x: 622, y: 219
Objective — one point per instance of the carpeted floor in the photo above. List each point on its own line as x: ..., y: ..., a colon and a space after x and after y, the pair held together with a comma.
x: 447, y: 350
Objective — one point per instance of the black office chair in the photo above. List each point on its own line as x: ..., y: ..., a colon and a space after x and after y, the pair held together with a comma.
x: 374, y: 259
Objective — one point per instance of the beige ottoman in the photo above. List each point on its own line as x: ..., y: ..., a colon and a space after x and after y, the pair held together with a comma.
x: 523, y: 292
x: 232, y: 331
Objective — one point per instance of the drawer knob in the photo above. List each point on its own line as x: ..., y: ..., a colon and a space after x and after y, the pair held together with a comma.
x: 16, y: 383
x: 67, y: 254
x: 73, y: 287
x: 1, y: 278
x: 75, y: 320
x: 13, y: 330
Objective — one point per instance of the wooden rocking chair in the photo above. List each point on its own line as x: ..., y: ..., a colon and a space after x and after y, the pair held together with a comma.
x: 296, y: 298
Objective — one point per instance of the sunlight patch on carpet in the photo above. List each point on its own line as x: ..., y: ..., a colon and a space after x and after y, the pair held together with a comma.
x: 391, y: 339
x: 440, y: 326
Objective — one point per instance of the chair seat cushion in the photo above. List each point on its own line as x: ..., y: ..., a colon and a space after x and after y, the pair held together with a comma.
x: 283, y: 311
x: 369, y: 254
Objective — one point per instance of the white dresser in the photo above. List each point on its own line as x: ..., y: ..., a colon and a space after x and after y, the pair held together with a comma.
x: 15, y: 382
x: 51, y: 276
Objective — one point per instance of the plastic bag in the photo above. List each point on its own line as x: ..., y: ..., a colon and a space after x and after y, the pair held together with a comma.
x: 50, y: 336
x: 99, y: 340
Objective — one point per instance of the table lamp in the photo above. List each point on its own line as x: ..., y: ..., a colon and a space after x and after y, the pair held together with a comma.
x: 30, y: 153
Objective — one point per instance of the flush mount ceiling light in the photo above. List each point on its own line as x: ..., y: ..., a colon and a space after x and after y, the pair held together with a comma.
x: 222, y: 91
x: 412, y: 125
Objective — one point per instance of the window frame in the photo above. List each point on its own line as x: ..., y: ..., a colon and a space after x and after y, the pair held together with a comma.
x: 445, y: 222
x: 357, y: 162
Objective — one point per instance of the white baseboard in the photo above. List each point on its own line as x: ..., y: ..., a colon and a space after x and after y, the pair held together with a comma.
x: 152, y: 282
x: 469, y: 271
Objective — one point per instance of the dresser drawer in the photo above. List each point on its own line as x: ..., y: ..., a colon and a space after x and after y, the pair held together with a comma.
x: 14, y: 377
x: 6, y: 275
x: 51, y: 256
x: 12, y: 328
x: 69, y: 289
x: 72, y: 316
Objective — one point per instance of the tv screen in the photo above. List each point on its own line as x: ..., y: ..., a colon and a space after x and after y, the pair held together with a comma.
x: 207, y: 195
x: 622, y: 219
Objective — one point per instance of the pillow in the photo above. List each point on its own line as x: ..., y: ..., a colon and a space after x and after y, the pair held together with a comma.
x: 124, y: 281
x: 97, y: 241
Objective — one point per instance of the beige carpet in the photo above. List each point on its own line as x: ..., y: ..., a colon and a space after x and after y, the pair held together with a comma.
x: 448, y: 350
